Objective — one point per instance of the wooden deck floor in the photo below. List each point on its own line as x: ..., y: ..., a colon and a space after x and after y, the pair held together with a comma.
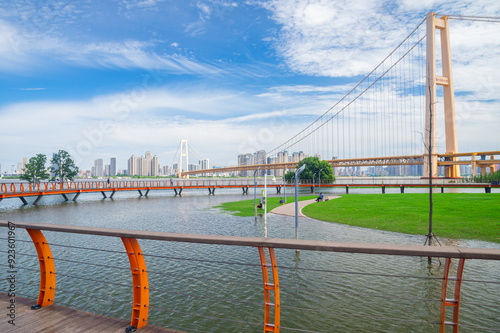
x: 59, y: 319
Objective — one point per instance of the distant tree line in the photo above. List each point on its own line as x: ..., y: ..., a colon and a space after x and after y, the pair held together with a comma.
x: 489, y: 178
x: 62, y: 167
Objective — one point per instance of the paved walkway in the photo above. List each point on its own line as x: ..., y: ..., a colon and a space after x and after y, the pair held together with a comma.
x: 289, y: 209
x: 59, y: 319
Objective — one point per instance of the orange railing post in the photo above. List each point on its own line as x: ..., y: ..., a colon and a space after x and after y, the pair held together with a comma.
x: 453, y: 302
x: 268, y: 287
x: 47, y: 269
x: 140, y: 307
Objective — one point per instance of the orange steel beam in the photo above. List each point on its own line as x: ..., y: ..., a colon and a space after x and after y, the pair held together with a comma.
x: 268, y: 287
x: 140, y: 306
x: 454, y: 302
x: 368, y: 161
x: 47, y: 269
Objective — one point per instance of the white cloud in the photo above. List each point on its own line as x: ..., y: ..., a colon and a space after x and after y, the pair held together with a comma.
x: 18, y: 52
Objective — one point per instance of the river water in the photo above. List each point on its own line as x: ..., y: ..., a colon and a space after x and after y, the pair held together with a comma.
x: 223, y: 292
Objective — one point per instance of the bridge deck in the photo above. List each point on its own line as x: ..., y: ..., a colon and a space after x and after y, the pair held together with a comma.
x: 59, y: 319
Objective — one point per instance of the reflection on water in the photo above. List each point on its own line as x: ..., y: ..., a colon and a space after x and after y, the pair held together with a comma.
x: 317, y: 293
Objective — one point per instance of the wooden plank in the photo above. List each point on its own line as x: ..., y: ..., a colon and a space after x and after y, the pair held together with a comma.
x: 313, y: 245
x: 59, y: 319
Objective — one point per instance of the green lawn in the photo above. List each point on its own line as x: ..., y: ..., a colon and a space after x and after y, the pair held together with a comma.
x: 459, y: 216
x: 246, y: 207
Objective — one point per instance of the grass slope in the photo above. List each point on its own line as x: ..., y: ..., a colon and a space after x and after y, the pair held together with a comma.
x: 246, y: 208
x: 459, y: 216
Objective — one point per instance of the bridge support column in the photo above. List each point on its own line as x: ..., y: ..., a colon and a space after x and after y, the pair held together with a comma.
x: 112, y: 194
x: 402, y: 188
x: 446, y: 80
x: 175, y: 190
x: 473, y: 165
x: 103, y: 194
x: 180, y: 191
x: 347, y: 189
x: 65, y: 197
x: 383, y: 189
x: 76, y: 196
x: 23, y: 200
x: 442, y: 189
x: 312, y: 189
x: 47, y: 270
x: 140, y: 193
x: 140, y: 307
x: 487, y: 189
x: 147, y: 192
x: 37, y: 199
x: 278, y: 189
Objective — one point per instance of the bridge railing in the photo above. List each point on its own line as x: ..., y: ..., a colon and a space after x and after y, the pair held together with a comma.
x: 42, y: 188
x: 250, y: 284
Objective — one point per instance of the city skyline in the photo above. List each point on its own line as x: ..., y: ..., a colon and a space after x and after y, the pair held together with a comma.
x: 230, y: 76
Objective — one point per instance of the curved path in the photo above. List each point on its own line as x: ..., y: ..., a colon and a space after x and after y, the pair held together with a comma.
x: 289, y: 209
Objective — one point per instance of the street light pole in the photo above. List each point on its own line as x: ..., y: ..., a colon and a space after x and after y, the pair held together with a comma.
x: 297, y: 174
x: 265, y: 204
x: 255, y: 193
x: 320, y: 180
x: 314, y: 175
x: 284, y: 183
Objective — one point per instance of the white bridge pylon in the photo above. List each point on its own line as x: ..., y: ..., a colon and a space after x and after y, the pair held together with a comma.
x: 184, y: 153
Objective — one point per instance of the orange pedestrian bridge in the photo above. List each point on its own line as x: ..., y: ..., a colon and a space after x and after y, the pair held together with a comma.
x: 22, y: 190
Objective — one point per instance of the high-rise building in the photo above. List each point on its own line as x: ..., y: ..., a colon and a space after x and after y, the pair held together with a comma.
x: 154, y: 166
x: 23, y: 165
x: 193, y: 167
x: 245, y: 159
x: 98, y: 168
x: 132, y: 166
x: 112, y: 166
x: 204, y: 165
x: 259, y: 157
x: 106, y: 170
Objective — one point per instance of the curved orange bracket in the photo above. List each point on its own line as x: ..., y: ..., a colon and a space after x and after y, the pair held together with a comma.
x: 47, y: 269
x: 268, y: 287
x: 140, y: 307
x: 453, y: 302
x: 13, y: 188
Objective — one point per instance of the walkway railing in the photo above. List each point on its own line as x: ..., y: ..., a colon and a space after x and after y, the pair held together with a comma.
x: 166, y: 286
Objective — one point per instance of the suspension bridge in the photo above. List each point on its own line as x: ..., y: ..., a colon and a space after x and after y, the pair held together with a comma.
x: 396, y: 115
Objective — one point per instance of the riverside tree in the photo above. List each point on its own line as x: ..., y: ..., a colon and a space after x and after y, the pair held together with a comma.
x: 34, y: 171
x: 63, y: 166
x: 313, y: 167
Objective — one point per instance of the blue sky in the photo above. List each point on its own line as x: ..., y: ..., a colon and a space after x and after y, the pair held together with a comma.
x: 116, y: 78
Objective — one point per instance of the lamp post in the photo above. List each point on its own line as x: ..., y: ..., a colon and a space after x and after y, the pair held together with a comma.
x: 284, y: 184
x: 255, y: 193
x: 297, y: 174
x: 264, y: 194
x: 320, y: 180
x: 314, y: 175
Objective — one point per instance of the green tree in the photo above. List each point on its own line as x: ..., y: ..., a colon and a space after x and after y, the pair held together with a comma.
x: 34, y: 170
x: 63, y: 166
x: 313, y: 166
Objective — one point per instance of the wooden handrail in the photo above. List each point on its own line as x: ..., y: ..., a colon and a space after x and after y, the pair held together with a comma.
x: 313, y: 245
